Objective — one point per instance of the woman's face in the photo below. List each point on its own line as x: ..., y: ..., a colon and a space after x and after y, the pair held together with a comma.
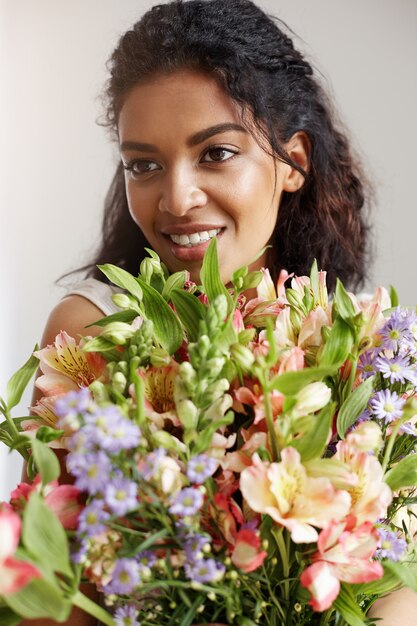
x: 194, y: 172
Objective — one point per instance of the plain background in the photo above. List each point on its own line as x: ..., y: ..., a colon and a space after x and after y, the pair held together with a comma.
x: 56, y: 162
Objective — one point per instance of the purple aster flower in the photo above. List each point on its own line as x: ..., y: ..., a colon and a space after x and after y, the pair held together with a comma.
x: 126, y: 616
x: 194, y: 545
x: 407, y: 429
x: 397, y: 369
x: 111, y: 430
x: 91, y: 470
x: 201, y: 467
x: 205, y: 571
x: 391, y: 546
x: 366, y: 364
x: 125, y: 577
x: 146, y: 558
x: 74, y: 403
x: 120, y: 495
x: 92, y: 518
x: 395, y: 331
x: 387, y: 405
x: 188, y: 501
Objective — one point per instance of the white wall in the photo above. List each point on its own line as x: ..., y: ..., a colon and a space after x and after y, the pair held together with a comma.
x: 56, y: 163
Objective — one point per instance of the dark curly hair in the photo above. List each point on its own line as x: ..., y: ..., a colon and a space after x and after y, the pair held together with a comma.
x: 254, y: 60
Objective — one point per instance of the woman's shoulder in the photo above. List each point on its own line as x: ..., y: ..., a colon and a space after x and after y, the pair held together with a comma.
x: 84, y: 303
x: 97, y: 292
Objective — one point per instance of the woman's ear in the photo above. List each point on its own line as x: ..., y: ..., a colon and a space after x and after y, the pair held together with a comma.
x: 298, y: 149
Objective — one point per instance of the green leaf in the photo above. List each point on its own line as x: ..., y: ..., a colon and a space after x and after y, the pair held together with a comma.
x: 379, y: 587
x: 342, y: 303
x: 348, y: 607
x: 40, y: 599
x: 167, y: 327
x: 405, y: 572
x: 313, y: 444
x: 190, y: 311
x: 44, y: 537
x: 5, y: 426
x: 98, y: 344
x: 404, y: 474
x: 353, y: 406
x: 9, y: 617
x: 393, y: 296
x: 123, y: 279
x: 20, y: 380
x: 338, y: 345
x: 175, y: 281
x: 46, y: 461
x: 46, y: 434
x: 128, y: 315
x: 290, y: 383
x: 314, y: 280
x: 210, y: 276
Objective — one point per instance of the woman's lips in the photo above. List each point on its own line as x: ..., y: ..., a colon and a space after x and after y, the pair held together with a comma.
x: 194, y: 252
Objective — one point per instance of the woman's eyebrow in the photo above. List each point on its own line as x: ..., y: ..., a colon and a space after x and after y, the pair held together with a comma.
x: 194, y: 140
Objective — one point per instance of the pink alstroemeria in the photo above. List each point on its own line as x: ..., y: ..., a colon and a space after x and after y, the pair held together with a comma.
x: 254, y: 397
x: 293, y: 499
x: 371, y: 496
x: 344, y: 554
x: 64, y: 500
x: 44, y: 409
x: 247, y: 554
x: 66, y: 367
x: 14, y: 574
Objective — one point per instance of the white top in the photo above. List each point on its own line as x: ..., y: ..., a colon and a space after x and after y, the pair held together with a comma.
x: 98, y: 293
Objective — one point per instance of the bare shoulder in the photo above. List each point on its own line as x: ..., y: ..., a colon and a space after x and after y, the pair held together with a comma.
x: 72, y: 314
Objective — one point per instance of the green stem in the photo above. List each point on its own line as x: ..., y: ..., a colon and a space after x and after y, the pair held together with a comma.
x: 278, y: 536
x: 270, y: 423
x: 325, y: 617
x: 90, y: 607
x: 388, y: 449
x: 14, y: 432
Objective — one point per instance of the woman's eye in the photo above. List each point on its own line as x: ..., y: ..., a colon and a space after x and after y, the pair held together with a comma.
x: 218, y: 154
x: 141, y: 166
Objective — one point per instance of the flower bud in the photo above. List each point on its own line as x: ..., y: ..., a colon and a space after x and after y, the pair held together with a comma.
x: 123, y: 300
x: 118, y: 332
x: 311, y: 398
x: 187, y: 413
x: 119, y: 382
x: 242, y: 355
x: 160, y: 357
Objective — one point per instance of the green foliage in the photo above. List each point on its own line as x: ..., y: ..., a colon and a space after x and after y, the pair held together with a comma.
x: 44, y: 537
x: 313, y: 444
x: 167, y: 327
x: 353, y: 406
x: 338, y: 345
x: 45, y: 461
x: 290, y: 383
x: 190, y: 311
x: 346, y: 604
x: 210, y: 276
x: 41, y: 598
x: 404, y: 474
x: 123, y: 279
x: 20, y: 380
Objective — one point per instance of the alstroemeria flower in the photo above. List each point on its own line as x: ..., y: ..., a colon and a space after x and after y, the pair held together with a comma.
x: 344, y: 554
x: 64, y: 500
x: 14, y: 574
x: 254, y: 397
x: 310, y: 331
x: 371, y: 496
x: 292, y: 498
x: 247, y: 554
x: 66, y: 367
x: 159, y: 393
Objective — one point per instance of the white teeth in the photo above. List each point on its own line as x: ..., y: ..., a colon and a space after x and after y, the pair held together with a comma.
x: 194, y: 239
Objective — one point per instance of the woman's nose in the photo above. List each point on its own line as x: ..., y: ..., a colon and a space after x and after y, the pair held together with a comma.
x: 181, y: 192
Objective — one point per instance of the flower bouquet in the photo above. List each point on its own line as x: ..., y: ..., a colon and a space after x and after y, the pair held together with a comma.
x: 245, y: 461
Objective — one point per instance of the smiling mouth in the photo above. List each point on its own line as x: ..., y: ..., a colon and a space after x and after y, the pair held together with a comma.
x: 194, y: 239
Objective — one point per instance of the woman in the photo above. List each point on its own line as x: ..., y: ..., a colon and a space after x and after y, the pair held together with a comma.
x: 223, y: 132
